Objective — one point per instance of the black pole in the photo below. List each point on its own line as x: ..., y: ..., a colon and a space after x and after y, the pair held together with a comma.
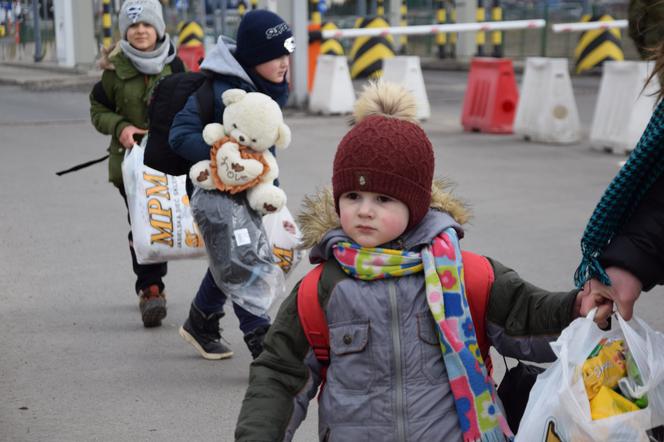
x: 37, y: 31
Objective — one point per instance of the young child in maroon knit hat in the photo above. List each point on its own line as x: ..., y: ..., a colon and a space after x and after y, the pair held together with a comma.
x: 408, y: 332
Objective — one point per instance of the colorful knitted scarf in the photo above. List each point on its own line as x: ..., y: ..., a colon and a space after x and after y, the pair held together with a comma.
x: 643, y: 167
x: 480, y: 418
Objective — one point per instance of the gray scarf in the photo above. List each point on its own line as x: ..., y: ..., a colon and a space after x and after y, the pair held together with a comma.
x: 152, y: 62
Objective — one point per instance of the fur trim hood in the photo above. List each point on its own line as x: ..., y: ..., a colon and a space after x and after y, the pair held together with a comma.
x: 318, y: 215
x: 104, y: 61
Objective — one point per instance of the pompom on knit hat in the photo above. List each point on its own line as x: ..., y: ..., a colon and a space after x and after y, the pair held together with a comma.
x: 386, y: 151
x: 145, y: 11
x: 262, y: 36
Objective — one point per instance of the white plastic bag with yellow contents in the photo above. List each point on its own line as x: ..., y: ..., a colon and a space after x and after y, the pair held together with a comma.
x: 284, y: 236
x: 559, y: 408
x: 162, y: 224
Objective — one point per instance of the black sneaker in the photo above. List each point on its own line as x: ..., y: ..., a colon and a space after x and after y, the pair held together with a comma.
x: 152, y: 304
x: 203, y: 333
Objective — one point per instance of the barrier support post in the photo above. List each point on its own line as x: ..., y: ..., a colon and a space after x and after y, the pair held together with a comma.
x: 544, y: 31
x: 403, y: 12
x: 380, y: 8
x: 497, y: 36
x: 480, y: 36
x: 107, y: 39
x: 453, y: 35
x: 441, y: 37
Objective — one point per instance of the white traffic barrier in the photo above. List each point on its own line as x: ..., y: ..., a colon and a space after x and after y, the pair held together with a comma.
x: 623, y: 108
x: 333, y: 91
x: 588, y: 25
x: 547, y: 109
x: 434, y: 29
x: 406, y: 70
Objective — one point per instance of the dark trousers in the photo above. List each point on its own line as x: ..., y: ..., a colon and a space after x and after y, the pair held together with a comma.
x: 146, y: 274
x: 210, y: 299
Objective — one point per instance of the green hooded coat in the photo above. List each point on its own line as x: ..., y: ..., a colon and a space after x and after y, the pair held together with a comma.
x: 128, y: 91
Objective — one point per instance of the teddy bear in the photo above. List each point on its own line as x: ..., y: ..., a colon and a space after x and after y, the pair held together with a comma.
x: 240, y: 159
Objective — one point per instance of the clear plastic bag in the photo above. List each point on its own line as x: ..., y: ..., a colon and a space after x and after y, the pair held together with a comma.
x: 558, y: 406
x: 239, y: 254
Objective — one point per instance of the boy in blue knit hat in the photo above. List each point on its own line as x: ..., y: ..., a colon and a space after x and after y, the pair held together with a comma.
x: 259, y: 63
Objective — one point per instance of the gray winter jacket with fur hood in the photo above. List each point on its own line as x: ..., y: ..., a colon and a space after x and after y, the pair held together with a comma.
x: 386, y: 379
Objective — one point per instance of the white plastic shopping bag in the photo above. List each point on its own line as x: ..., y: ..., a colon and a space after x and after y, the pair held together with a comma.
x: 162, y: 225
x: 284, y: 236
x: 558, y: 408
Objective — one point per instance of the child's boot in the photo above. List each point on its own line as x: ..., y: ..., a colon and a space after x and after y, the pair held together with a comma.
x: 152, y: 303
x: 203, y: 333
x: 255, y: 338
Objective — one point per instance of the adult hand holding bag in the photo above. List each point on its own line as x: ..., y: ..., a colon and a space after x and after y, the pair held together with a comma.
x: 558, y: 406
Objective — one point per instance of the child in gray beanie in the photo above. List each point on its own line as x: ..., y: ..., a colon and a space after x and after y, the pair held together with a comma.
x: 146, y: 11
x: 118, y: 107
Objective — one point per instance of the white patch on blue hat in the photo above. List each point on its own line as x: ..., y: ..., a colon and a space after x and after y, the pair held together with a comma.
x: 289, y: 44
x: 134, y: 12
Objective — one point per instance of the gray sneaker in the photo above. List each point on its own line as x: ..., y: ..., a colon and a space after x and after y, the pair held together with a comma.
x: 152, y: 304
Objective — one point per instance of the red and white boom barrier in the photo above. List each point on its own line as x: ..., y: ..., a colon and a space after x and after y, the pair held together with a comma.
x: 435, y: 29
x: 588, y: 25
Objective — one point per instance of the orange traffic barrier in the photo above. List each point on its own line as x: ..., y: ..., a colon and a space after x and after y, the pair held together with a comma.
x: 491, y: 96
x: 315, y: 40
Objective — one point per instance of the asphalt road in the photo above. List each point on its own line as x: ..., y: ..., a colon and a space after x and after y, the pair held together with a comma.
x: 76, y: 363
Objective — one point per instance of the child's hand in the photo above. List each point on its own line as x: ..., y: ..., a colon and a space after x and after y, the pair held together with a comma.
x: 594, y: 294
x: 127, y: 135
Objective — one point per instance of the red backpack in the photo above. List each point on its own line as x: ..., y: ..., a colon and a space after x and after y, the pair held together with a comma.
x: 478, y: 275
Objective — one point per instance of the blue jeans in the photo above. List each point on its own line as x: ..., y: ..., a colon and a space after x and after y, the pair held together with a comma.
x: 210, y: 299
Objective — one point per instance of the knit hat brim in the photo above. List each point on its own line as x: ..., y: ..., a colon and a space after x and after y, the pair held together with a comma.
x: 400, y: 187
x: 263, y: 36
x: 142, y: 11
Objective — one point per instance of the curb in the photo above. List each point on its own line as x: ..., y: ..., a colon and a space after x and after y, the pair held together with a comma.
x: 45, y: 77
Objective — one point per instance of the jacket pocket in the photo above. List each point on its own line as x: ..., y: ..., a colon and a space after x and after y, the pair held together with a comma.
x: 351, y: 360
x: 431, y: 354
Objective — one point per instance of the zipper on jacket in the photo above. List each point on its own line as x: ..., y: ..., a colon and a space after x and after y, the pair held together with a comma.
x: 398, y: 368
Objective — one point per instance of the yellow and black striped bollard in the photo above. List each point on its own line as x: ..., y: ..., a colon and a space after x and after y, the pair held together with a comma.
x: 403, y: 21
x: 453, y: 35
x: 107, y: 38
x: 480, y: 36
x: 441, y: 37
x: 497, y: 36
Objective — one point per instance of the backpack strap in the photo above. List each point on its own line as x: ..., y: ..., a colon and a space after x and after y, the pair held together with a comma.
x: 205, y: 98
x: 99, y: 94
x: 176, y: 65
x: 312, y: 316
x: 478, y: 279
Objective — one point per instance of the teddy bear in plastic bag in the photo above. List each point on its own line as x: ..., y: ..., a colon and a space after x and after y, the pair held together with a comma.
x: 240, y: 156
